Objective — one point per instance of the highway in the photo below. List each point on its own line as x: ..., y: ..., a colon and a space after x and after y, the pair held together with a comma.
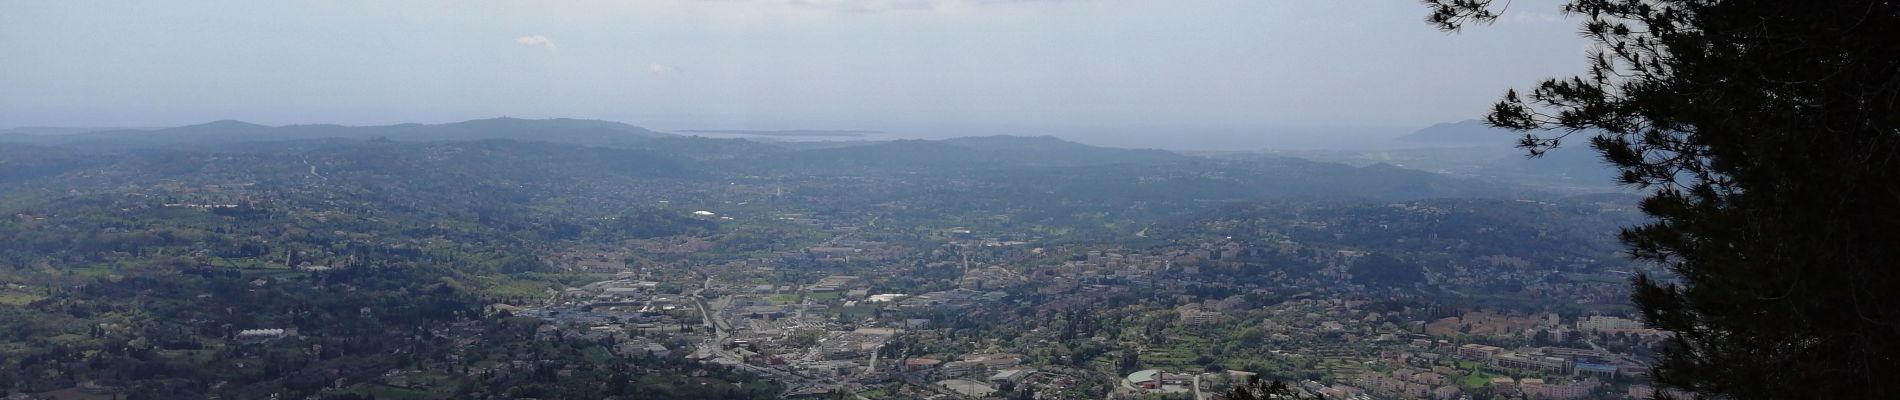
x: 722, y: 329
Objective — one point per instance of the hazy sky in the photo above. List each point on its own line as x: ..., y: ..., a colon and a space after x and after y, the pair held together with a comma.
x: 767, y: 63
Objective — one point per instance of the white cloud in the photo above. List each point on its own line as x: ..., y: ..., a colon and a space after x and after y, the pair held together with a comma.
x: 537, y: 41
x: 660, y: 69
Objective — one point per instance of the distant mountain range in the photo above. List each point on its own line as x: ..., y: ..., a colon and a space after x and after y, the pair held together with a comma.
x: 784, y: 132
x: 50, y: 130
x: 587, y: 150
x: 1472, y: 149
x: 571, y: 131
x: 1484, y: 156
x: 986, y: 152
x: 1462, y: 133
x: 967, y: 153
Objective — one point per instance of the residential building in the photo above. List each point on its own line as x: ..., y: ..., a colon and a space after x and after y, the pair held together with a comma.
x: 1478, y: 352
x: 1606, y: 323
x: 1531, y: 362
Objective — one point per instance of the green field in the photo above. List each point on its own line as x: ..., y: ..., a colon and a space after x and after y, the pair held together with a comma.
x: 1476, y: 379
x: 387, y: 392
x: 18, y: 298
x: 823, y: 297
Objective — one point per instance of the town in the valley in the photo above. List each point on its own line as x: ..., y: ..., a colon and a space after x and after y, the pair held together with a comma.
x: 605, y: 273
x: 964, y: 313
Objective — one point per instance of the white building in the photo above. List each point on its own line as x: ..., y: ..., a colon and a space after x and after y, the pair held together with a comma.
x: 1604, y: 323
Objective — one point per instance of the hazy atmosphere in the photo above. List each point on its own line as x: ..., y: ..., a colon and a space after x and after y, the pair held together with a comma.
x: 1273, y: 73
x: 950, y: 199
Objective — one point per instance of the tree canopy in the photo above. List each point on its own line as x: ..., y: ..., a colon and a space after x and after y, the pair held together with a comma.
x: 1764, y: 135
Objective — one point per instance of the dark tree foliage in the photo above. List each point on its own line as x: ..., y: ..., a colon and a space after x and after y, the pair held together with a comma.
x: 1384, y: 269
x: 1260, y: 389
x: 1764, y: 133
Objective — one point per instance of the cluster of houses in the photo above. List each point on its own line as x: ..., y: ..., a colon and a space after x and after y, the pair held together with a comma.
x: 1553, y: 360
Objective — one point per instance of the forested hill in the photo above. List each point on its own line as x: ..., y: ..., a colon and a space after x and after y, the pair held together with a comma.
x: 1480, y: 253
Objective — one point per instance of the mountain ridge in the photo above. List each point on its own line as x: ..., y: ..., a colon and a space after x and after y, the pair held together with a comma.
x: 1468, y: 132
x: 227, y: 132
